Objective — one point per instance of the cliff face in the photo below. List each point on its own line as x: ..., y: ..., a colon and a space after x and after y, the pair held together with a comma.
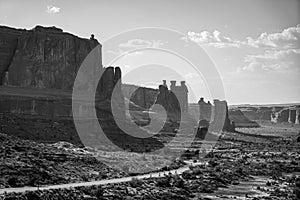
x: 240, y: 120
x: 141, y: 96
x: 8, y: 44
x: 257, y: 113
x: 42, y: 57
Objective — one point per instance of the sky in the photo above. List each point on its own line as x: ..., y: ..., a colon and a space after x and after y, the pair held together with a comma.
x: 245, y: 51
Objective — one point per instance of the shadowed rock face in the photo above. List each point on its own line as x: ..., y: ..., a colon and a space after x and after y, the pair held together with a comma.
x: 168, y: 100
x: 48, y: 58
x: 44, y: 57
x: 286, y: 115
x: 240, y: 119
x: 140, y: 96
x: 257, y: 113
x: 205, y: 110
x: 283, y: 113
x: 8, y: 44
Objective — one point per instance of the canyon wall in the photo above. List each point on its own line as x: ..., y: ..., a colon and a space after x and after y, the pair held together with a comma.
x: 284, y: 113
x: 289, y: 115
x: 44, y: 57
x: 8, y: 45
x: 38, y: 68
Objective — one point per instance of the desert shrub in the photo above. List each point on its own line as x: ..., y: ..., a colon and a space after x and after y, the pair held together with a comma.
x: 13, y: 181
x: 178, y: 182
x: 85, y: 177
x: 163, y: 182
x: 32, y: 195
x: 95, y: 191
x: 135, y: 182
x: 33, y: 181
x: 213, y: 163
x: 99, y: 192
x: 197, y: 171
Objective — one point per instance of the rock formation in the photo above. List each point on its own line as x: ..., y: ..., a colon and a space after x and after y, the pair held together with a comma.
x: 145, y: 97
x: 297, y: 116
x: 140, y: 96
x: 205, y: 110
x: 280, y: 113
x: 41, y: 64
x: 213, y: 119
x: 168, y: 100
x: 240, y: 120
x: 215, y: 116
x: 8, y: 45
x: 181, y: 93
x: 109, y: 91
x: 218, y: 111
x: 256, y: 113
x: 287, y: 114
x: 44, y: 57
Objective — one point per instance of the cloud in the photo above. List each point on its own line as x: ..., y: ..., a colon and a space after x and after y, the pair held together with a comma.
x: 273, y: 60
x: 52, y: 9
x: 215, y: 39
x: 135, y: 44
x: 139, y: 43
x: 286, y: 39
x: 281, y: 51
x: 127, y: 66
x: 191, y: 76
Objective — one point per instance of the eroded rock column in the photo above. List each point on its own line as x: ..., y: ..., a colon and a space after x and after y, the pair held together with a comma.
x: 290, y: 116
x: 297, y: 115
x: 204, y: 110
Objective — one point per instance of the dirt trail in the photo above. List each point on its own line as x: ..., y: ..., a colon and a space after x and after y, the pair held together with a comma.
x: 101, y: 182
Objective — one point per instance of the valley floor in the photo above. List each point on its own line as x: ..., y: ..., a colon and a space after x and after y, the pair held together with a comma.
x: 258, y: 163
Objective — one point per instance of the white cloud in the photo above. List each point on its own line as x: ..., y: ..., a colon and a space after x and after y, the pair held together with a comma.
x: 52, y: 9
x: 135, y: 44
x: 191, y: 76
x: 139, y: 43
x: 288, y: 38
x: 275, y: 60
x: 215, y: 39
x: 127, y: 66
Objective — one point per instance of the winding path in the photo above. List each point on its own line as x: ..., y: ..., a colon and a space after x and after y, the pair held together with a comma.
x: 100, y: 182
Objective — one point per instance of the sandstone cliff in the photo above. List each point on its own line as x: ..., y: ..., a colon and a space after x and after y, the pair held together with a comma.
x: 44, y: 57
x: 141, y: 96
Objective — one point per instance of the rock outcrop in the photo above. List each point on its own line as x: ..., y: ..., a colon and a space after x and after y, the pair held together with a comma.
x: 205, y: 110
x: 215, y: 115
x: 181, y: 93
x: 38, y: 68
x: 240, y: 120
x: 44, y: 57
x: 256, y: 113
x: 289, y: 114
x: 8, y: 45
x: 141, y: 96
x: 168, y: 100
x: 276, y: 113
